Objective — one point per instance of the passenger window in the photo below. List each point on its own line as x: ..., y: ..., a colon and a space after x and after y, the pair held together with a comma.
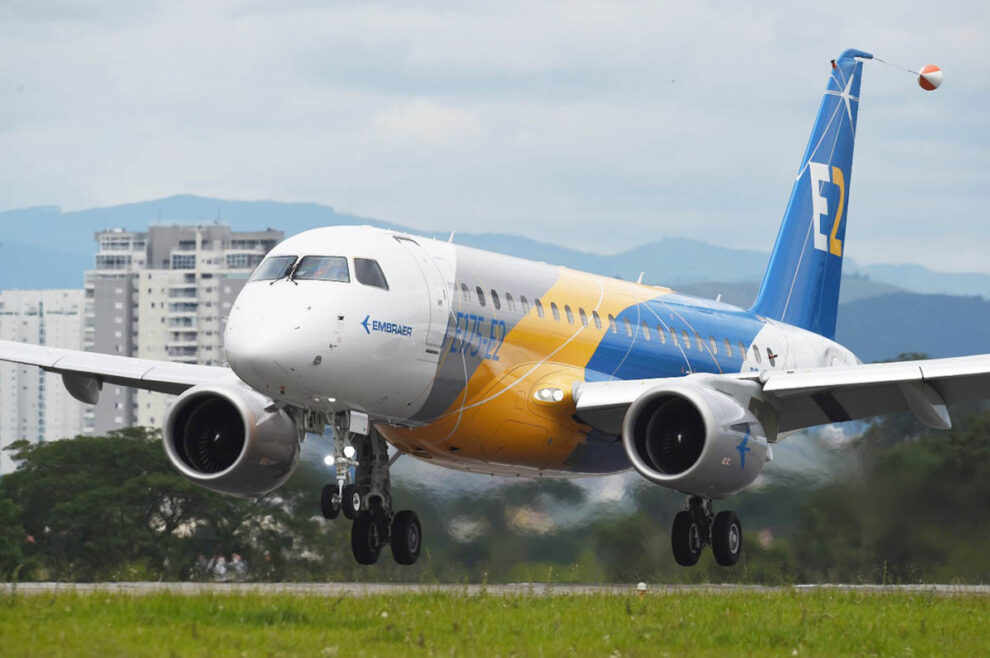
x: 756, y: 354
x: 465, y: 294
x: 646, y: 330
x: 628, y: 327
x: 525, y: 304
x: 611, y: 324
x: 569, y: 314
x: 508, y: 301
x: 481, y: 295
x: 700, y: 343
x: 584, y: 317
x: 368, y: 272
x: 322, y: 268
x: 274, y: 268
x: 728, y: 348
x: 555, y: 310
x: 539, y: 307
x: 597, y: 318
x: 673, y: 336
x: 661, y: 334
x: 771, y: 357
x: 714, y: 344
x: 742, y: 351
x: 687, y: 339
x: 495, y: 301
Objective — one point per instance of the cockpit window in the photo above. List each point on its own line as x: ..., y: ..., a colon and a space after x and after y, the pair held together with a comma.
x: 273, y: 268
x: 322, y: 268
x: 368, y: 272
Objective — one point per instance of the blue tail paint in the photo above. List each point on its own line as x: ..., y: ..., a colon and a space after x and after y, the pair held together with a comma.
x: 801, y: 285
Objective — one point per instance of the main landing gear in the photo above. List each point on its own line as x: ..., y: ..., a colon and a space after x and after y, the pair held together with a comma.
x: 698, y: 526
x: 366, y: 500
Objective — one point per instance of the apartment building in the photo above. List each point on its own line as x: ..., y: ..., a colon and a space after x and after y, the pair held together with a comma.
x: 34, y: 405
x: 163, y: 294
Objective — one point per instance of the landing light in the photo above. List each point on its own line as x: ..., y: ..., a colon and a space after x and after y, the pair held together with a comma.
x: 329, y: 460
x: 349, y: 452
x: 549, y: 394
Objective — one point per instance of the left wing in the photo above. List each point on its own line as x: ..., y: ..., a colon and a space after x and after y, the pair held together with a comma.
x: 817, y: 396
x: 84, y: 373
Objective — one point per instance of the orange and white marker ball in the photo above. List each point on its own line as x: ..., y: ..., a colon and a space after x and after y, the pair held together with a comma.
x: 930, y: 78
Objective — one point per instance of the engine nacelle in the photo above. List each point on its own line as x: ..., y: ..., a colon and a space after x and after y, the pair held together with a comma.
x: 694, y: 439
x: 221, y: 437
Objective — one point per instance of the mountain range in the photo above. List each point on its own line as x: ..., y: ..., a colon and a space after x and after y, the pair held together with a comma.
x: 886, y: 309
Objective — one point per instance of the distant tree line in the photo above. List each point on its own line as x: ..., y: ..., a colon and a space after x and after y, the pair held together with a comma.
x: 112, y: 508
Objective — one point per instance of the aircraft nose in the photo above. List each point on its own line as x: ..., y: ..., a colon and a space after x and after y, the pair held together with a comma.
x: 271, y: 335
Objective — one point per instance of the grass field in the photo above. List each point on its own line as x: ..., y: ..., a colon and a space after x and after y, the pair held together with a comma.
x: 783, y: 623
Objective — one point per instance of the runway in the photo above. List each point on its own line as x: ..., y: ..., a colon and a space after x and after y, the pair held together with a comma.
x: 513, y: 589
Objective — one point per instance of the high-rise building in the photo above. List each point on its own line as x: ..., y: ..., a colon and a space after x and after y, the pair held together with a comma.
x: 163, y: 294
x: 34, y: 404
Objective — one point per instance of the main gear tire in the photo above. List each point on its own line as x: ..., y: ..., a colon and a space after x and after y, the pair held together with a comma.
x: 367, y: 538
x: 727, y: 538
x: 406, y: 537
x: 685, y: 539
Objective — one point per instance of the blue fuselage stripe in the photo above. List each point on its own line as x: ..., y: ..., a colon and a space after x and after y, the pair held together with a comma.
x: 621, y: 356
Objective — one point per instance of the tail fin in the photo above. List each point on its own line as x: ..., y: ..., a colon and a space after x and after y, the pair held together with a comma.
x: 801, y: 284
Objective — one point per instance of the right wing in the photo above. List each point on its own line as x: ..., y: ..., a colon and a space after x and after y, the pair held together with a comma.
x: 815, y: 396
x: 829, y: 395
x: 84, y: 373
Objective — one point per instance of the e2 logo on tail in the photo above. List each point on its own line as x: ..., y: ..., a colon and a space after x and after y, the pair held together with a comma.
x: 819, y: 206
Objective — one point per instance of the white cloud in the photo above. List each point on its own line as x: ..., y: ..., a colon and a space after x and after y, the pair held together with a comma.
x: 425, y: 123
x: 596, y: 124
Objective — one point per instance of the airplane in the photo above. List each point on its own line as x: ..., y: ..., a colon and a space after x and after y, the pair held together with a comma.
x: 496, y: 365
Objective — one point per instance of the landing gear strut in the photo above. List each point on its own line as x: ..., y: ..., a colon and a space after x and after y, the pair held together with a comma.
x: 698, y: 526
x: 365, y: 497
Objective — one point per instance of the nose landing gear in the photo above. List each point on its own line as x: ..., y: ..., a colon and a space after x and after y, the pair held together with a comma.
x: 366, y: 498
x: 698, y: 526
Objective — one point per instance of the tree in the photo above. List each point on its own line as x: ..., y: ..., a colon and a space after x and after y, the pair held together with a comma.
x: 918, y: 513
x: 108, y: 508
x: 12, y: 539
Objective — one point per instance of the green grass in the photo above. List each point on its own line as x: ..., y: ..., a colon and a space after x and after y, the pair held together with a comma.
x: 695, y: 623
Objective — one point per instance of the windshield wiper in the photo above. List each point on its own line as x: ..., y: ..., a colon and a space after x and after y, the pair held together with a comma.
x: 291, y: 276
x: 288, y: 275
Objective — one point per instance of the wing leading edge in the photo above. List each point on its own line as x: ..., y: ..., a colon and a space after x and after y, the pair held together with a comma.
x: 805, y: 398
x: 84, y: 373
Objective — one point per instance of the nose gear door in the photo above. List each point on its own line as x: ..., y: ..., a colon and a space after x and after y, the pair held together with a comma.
x: 429, y: 267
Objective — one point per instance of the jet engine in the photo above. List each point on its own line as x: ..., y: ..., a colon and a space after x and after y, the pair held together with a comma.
x: 231, y: 439
x: 694, y: 439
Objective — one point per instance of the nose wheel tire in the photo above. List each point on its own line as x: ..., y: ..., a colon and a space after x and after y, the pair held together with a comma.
x: 351, y: 501
x: 685, y: 539
x: 727, y: 538
x: 406, y: 537
x: 330, y: 501
x: 368, y: 536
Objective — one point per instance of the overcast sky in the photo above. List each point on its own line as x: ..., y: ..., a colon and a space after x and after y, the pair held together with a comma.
x: 595, y: 125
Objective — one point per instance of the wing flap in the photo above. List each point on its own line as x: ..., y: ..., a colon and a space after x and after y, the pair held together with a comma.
x: 603, y: 404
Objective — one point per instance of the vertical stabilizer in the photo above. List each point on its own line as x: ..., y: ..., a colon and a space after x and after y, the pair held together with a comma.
x: 801, y: 284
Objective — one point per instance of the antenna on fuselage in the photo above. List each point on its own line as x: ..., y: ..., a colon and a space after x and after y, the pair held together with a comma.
x: 451, y: 238
x: 640, y: 279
